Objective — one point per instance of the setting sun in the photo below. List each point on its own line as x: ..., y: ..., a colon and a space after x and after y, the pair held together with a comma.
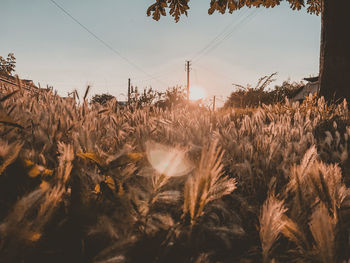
x: 197, y: 93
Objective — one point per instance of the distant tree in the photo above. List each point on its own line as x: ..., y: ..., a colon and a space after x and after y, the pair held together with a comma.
x: 145, y: 98
x: 149, y: 97
x: 335, y: 40
x: 254, y: 96
x: 287, y: 89
x: 8, y: 65
x: 172, y: 97
x: 102, y: 99
x: 175, y: 95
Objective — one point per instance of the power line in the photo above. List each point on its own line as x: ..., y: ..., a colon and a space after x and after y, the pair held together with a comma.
x: 247, y: 19
x: 227, y: 36
x: 217, y: 37
x: 222, y: 39
x: 108, y: 46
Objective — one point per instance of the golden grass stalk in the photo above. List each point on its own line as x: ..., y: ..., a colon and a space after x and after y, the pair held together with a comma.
x: 65, y: 161
x: 8, y: 154
x: 322, y: 227
x: 207, y: 184
x: 272, y: 223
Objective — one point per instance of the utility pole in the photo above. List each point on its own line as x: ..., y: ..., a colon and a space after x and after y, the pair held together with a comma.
x: 129, y: 86
x: 188, y: 64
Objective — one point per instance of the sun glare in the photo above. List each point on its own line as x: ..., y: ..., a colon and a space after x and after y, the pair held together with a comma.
x: 197, y: 93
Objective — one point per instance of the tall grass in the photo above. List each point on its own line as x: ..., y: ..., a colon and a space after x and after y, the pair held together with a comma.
x: 100, y: 183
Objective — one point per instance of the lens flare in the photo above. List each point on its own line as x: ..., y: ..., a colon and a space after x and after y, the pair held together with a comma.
x: 167, y: 160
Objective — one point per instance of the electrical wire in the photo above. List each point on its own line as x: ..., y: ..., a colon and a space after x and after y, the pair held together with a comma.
x: 103, y: 42
x: 217, y: 36
x: 229, y: 34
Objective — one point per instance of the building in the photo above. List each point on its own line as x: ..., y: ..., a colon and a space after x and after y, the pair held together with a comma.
x: 313, y: 87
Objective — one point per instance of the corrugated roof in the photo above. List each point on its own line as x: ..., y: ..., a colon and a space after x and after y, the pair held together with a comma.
x: 312, y: 79
x: 312, y: 87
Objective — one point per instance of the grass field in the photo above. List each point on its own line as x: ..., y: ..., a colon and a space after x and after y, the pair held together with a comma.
x: 90, y: 183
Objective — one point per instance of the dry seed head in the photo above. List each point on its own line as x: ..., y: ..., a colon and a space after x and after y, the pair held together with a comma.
x: 272, y: 223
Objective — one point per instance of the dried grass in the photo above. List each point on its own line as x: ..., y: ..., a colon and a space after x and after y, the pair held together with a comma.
x: 180, y: 184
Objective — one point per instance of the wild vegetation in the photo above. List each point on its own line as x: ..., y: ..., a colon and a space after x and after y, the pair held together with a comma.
x: 83, y: 182
x: 249, y: 96
x: 8, y: 65
x: 172, y: 97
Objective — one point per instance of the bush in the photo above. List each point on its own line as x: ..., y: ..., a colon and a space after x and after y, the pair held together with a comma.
x: 172, y: 97
x: 258, y: 95
x: 146, y: 98
x: 102, y: 99
x: 8, y: 65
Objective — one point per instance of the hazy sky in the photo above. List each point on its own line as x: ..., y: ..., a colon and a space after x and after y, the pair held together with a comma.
x: 52, y: 49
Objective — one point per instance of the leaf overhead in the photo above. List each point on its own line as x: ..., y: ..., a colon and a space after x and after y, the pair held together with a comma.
x: 180, y: 7
x: 176, y: 9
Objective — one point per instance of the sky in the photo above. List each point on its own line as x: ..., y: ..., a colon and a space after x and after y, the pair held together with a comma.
x: 53, y: 49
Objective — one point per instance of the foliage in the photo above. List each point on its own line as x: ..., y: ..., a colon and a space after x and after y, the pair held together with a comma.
x: 177, y: 8
x: 147, y: 98
x: 180, y: 7
x: 172, y: 97
x: 87, y: 183
x: 8, y: 65
x: 102, y: 99
x: 258, y: 95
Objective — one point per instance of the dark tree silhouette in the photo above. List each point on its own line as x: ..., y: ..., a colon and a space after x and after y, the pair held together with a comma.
x: 335, y: 40
x: 7, y: 66
x: 102, y: 99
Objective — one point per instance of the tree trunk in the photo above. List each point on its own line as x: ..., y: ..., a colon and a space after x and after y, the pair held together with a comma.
x: 335, y: 50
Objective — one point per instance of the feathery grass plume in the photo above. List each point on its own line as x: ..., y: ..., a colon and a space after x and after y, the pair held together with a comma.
x: 322, y: 227
x: 53, y: 196
x: 328, y: 184
x: 259, y: 143
x: 272, y: 223
x: 299, y: 179
x: 313, y: 180
x: 27, y: 218
x: 151, y: 218
x: 8, y: 154
x: 27, y: 221
x: 21, y: 210
x: 292, y: 231
x: 308, y: 159
x: 206, y: 184
x: 65, y: 161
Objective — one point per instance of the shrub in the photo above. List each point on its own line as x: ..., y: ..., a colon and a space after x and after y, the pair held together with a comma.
x: 102, y: 99
x: 8, y: 65
x: 258, y: 95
